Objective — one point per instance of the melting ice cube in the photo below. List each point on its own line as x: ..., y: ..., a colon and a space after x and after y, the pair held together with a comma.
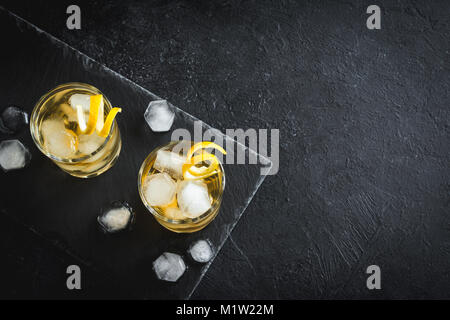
x: 170, y: 162
x: 159, y: 189
x: 84, y: 100
x: 57, y: 139
x: 201, y: 251
x: 193, y: 198
x: 12, y: 120
x: 169, y: 267
x: 13, y: 155
x: 118, y: 216
x: 159, y: 115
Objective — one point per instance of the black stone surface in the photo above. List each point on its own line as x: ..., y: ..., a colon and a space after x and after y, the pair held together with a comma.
x: 364, y: 125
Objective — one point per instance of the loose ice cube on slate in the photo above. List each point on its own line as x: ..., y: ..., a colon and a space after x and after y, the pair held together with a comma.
x: 193, y: 198
x: 201, y: 251
x: 84, y: 100
x: 170, y: 162
x: 159, y: 115
x: 116, y: 217
x: 12, y: 120
x: 159, y: 189
x: 57, y: 139
x: 169, y: 267
x: 13, y: 155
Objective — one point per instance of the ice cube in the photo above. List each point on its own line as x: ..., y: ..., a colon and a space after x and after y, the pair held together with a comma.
x: 12, y: 120
x: 116, y: 217
x: 13, y: 155
x: 170, y: 162
x: 201, y: 251
x: 87, y: 144
x: 193, y: 198
x: 84, y: 100
x: 159, y: 115
x: 57, y: 139
x: 159, y: 189
x: 174, y: 214
x: 182, y: 147
x: 169, y: 267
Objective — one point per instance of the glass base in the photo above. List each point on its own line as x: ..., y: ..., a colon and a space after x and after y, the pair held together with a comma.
x: 105, y: 165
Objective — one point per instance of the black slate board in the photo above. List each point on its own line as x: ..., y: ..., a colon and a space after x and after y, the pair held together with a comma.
x: 64, y: 209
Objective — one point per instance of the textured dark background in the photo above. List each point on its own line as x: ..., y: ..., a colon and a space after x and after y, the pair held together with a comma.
x: 364, y: 123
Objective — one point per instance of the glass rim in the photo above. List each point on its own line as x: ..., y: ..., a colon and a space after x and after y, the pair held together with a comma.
x: 156, y: 214
x: 35, y: 132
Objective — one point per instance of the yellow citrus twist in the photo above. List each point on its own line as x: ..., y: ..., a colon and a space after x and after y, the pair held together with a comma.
x: 191, y: 170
